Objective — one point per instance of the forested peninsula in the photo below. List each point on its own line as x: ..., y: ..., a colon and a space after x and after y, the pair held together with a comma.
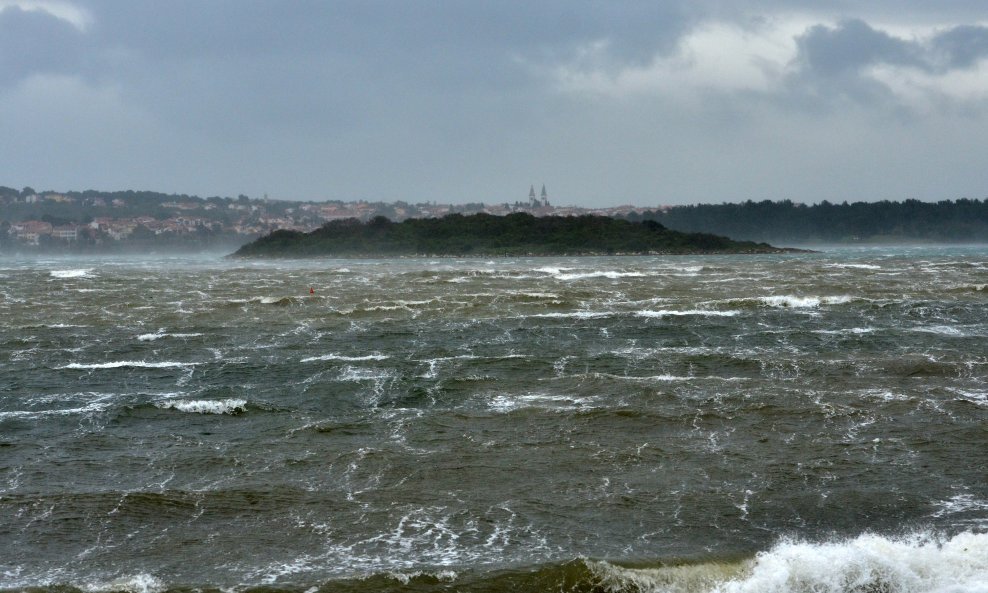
x: 788, y: 222
x: 487, y: 235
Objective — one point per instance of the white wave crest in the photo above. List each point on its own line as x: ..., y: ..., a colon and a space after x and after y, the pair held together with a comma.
x: 921, y: 563
x: 917, y: 564
x: 140, y: 583
x: 841, y: 332
x: 509, y: 403
x: 128, y: 363
x: 691, y: 312
x: 977, y: 397
x: 803, y: 302
x: 206, y: 406
x: 599, y: 274
x: 354, y: 374
x: 162, y: 334
x: 856, y: 266
x: 568, y: 274
x: 943, y: 330
x: 962, y: 503
x: 77, y: 273
x: 94, y: 407
x: 573, y: 315
x: 345, y: 358
x: 446, y: 576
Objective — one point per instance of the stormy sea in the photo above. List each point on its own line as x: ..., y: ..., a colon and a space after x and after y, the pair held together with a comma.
x: 810, y: 422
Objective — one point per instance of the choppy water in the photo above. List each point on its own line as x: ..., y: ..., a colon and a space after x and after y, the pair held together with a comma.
x: 807, y: 423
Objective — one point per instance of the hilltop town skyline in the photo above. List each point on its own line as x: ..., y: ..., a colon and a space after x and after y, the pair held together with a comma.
x: 33, y: 218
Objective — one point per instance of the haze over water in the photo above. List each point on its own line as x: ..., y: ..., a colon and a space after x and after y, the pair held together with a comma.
x: 811, y: 422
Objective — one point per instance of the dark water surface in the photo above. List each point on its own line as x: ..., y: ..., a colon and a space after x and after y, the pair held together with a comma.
x: 811, y: 422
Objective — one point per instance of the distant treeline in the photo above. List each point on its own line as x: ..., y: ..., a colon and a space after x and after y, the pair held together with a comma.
x: 485, y: 234
x: 962, y: 220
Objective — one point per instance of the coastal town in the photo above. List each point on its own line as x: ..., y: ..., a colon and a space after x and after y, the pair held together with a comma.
x: 48, y: 219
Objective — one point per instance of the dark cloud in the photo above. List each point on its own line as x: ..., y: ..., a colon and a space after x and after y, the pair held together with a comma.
x: 963, y: 45
x: 383, y: 31
x: 851, y: 46
x: 35, y: 42
x: 446, y: 99
x: 328, y: 67
x: 834, y: 62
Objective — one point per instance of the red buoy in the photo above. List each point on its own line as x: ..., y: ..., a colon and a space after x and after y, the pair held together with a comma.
x: 312, y: 290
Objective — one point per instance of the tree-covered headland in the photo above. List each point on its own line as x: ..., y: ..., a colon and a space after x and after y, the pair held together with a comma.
x: 487, y: 235
x: 946, y: 221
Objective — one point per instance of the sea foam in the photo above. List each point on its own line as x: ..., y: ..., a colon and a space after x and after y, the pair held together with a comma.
x: 921, y: 563
x: 801, y: 302
x: 205, y: 406
x: 77, y: 273
x: 689, y: 312
x: 918, y: 564
x: 345, y: 358
x: 162, y: 334
x: 140, y: 583
x: 128, y: 363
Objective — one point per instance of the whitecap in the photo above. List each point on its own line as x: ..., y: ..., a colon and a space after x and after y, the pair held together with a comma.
x: 921, y: 563
x: 961, y: 503
x: 76, y: 273
x: 976, y: 397
x: 801, y: 302
x: 162, y: 334
x: 404, y: 578
x: 342, y: 357
x: 140, y: 583
x: 611, y: 275
x: 573, y: 315
x: 552, y: 271
x: 869, y: 562
x: 128, y: 363
x: 508, y: 403
x: 96, y: 406
x: 205, y: 406
x: 354, y: 374
x: 856, y: 266
x: 696, y: 312
x: 943, y: 330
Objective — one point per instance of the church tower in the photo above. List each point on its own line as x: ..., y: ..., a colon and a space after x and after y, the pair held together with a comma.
x: 531, y: 197
x: 545, y: 197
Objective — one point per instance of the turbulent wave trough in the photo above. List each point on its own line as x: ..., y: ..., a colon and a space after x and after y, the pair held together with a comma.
x: 792, y: 423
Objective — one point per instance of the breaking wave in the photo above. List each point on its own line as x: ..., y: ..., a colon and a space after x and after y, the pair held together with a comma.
x: 77, y: 273
x: 345, y: 358
x: 205, y: 406
x: 921, y: 563
x: 143, y: 364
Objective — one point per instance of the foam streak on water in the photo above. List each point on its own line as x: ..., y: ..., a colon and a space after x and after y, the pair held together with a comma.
x: 787, y: 423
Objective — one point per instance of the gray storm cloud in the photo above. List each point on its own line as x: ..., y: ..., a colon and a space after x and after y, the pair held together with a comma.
x: 608, y: 103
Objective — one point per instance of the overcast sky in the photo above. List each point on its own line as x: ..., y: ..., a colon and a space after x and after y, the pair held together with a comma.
x: 606, y: 102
